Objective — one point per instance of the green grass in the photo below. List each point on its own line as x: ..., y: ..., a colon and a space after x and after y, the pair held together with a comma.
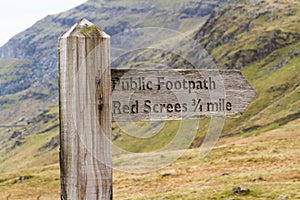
x: 171, y: 135
x: 28, y: 154
x: 268, y: 164
x: 262, y: 163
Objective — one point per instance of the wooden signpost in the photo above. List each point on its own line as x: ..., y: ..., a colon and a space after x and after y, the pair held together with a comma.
x: 92, y: 95
x: 85, y: 113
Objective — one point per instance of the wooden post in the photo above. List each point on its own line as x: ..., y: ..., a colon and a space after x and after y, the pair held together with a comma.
x: 85, y: 113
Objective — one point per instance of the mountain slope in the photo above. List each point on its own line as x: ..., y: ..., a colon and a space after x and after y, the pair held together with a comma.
x: 261, y: 39
x: 28, y: 67
x: 35, y: 49
x: 267, y: 164
x: 242, y: 34
x: 264, y: 41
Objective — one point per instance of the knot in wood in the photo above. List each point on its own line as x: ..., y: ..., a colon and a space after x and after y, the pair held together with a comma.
x: 100, y: 102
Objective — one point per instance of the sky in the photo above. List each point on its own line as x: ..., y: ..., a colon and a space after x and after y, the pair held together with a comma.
x: 18, y: 15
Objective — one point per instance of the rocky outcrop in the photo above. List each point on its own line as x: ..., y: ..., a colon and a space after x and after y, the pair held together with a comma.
x: 52, y: 144
x: 236, y: 30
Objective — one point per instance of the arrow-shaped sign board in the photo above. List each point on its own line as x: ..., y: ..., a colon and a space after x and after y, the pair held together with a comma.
x: 149, y: 95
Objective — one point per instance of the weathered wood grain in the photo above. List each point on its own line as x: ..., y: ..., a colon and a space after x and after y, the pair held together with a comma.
x: 222, y: 93
x: 85, y: 118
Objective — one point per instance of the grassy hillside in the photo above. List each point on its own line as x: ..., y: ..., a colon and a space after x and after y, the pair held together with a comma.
x: 28, y: 64
x: 33, y: 144
x: 273, y: 76
x: 260, y: 149
x: 267, y: 164
x: 263, y: 41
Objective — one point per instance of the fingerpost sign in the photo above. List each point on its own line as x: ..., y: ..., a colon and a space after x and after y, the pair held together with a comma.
x: 91, y: 96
